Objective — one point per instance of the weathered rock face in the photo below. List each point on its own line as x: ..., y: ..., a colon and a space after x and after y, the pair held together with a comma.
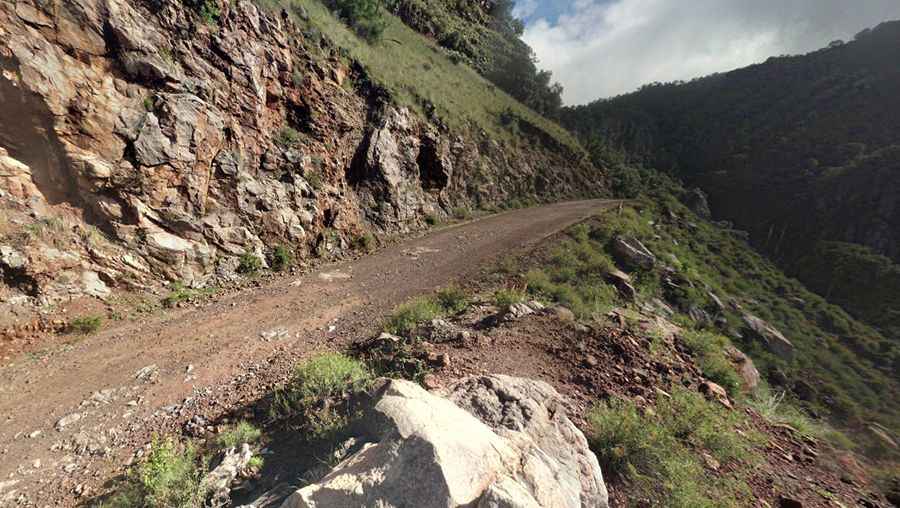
x: 632, y: 253
x: 744, y: 366
x: 773, y: 339
x: 189, y: 145
x: 494, y: 442
x: 697, y: 202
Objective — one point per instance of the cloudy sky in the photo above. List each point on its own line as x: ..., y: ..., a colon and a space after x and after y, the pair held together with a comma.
x: 602, y: 48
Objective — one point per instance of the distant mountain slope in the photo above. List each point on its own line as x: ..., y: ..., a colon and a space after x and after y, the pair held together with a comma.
x: 801, y: 151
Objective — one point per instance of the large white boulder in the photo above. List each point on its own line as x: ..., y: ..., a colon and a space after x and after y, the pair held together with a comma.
x: 496, y: 441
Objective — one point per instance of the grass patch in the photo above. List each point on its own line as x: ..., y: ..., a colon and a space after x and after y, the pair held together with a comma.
x: 506, y: 297
x: 575, y: 275
x: 709, y: 350
x: 242, y: 432
x: 660, y: 451
x: 840, y: 364
x: 318, y: 391
x: 461, y: 213
x: 181, y: 293
x: 170, y: 476
x: 408, y: 316
x: 85, y: 325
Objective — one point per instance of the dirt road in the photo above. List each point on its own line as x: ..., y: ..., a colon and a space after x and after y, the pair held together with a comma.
x: 69, y: 423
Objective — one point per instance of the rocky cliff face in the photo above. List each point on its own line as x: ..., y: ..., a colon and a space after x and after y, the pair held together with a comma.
x: 189, y: 144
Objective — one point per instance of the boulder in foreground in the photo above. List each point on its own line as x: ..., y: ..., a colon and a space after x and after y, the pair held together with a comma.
x: 494, y: 441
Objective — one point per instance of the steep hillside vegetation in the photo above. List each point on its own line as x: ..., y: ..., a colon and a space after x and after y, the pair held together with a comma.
x: 485, y: 34
x: 801, y: 151
x: 170, y: 139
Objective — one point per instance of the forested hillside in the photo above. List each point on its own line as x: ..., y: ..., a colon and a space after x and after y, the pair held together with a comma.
x: 801, y: 151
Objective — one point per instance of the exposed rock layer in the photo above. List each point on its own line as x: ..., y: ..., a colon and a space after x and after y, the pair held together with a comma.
x: 190, y: 144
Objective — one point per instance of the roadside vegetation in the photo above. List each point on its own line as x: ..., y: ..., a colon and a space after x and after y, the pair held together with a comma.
x: 180, y: 293
x: 575, y: 276
x: 316, y: 400
x: 406, y: 317
x: 85, y: 325
x: 660, y: 453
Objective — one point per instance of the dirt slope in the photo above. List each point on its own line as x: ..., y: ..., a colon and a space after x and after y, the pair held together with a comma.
x: 221, y: 356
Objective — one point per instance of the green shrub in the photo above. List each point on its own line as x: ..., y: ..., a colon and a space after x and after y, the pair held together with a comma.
x: 85, y: 325
x: 287, y: 137
x: 317, y: 392
x: 243, y: 432
x: 408, y: 316
x: 170, y: 477
x: 282, y: 258
x: 432, y: 219
x: 181, y: 293
x: 505, y: 297
x: 365, y: 16
x: 314, y: 178
x: 452, y: 299
x: 208, y: 10
x: 461, y: 213
x: 249, y: 264
x: 365, y: 242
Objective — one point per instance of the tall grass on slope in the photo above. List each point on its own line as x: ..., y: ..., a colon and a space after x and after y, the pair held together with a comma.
x: 419, y: 74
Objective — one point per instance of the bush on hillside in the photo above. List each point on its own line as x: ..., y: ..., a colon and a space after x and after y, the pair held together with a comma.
x: 364, y: 16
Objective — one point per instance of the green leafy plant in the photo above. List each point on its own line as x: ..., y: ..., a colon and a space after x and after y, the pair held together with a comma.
x: 241, y: 433
x: 282, y: 258
x: 408, y: 316
x: 249, y: 264
x: 85, y: 325
x: 287, y: 137
x: 452, y: 299
x: 505, y: 297
x: 181, y: 293
x: 170, y: 477
x: 318, y: 390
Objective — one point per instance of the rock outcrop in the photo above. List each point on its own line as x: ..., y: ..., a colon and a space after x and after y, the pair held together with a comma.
x: 189, y: 145
x: 632, y: 253
x: 494, y: 441
x: 773, y: 339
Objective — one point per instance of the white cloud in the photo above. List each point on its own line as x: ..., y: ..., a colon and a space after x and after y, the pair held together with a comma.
x: 525, y: 8
x: 602, y: 48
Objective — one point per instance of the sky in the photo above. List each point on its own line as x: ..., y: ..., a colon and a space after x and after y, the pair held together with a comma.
x: 603, y: 48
